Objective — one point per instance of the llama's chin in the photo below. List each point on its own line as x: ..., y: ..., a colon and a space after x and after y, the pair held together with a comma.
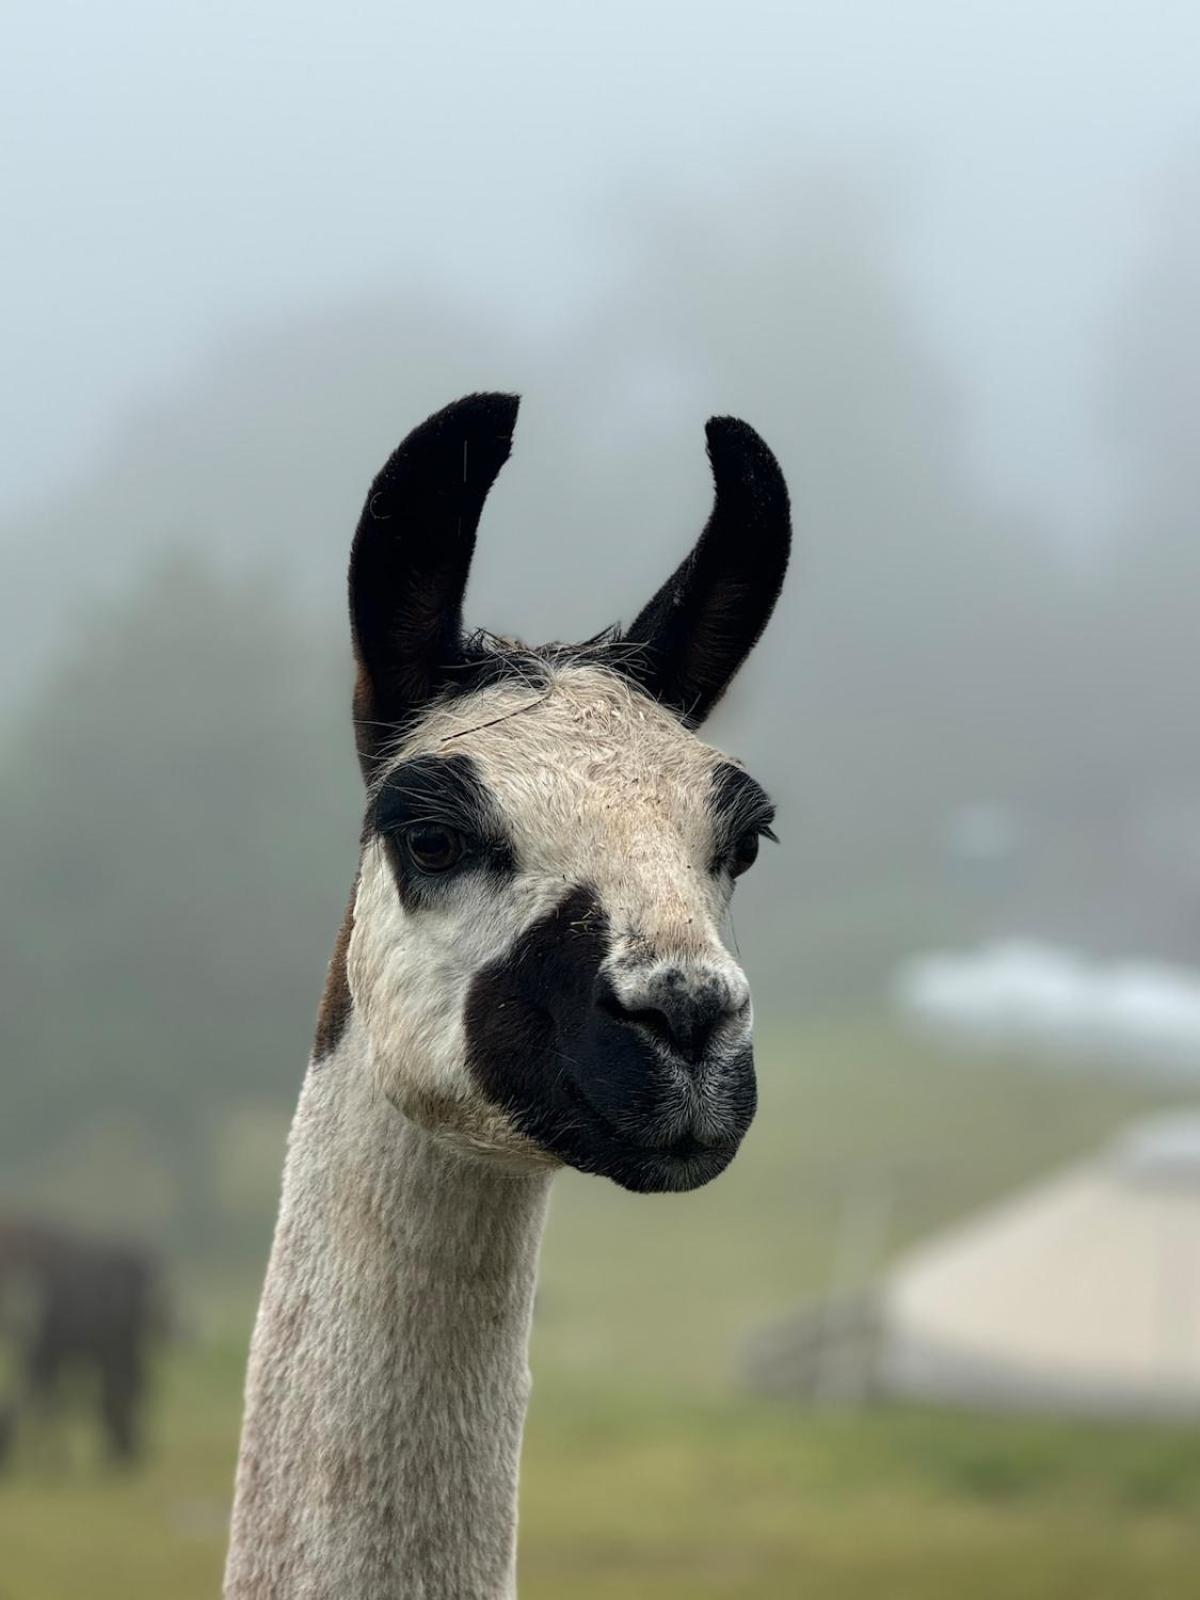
x: 673, y: 1144
x: 669, y: 1172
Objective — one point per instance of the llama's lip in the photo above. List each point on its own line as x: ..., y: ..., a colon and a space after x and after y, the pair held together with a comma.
x: 648, y: 1171
x: 685, y: 1162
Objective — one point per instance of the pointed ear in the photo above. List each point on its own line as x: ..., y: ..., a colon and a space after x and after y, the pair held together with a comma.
x: 410, y: 560
x: 702, y: 624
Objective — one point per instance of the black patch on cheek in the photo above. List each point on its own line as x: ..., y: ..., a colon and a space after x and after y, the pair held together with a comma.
x: 584, y: 1086
x: 524, y: 1012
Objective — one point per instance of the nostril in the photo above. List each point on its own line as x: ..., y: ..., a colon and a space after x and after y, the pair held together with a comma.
x: 649, y: 1018
x: 682, y: 1025
x: 651, y: 1021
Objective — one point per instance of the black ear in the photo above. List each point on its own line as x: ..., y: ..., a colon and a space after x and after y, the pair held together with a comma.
x: 410, y: 560
x: 706, y: 618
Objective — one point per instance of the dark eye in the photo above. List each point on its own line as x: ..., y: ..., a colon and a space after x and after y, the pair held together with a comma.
x: 745, y: 853
x: 432, y: 847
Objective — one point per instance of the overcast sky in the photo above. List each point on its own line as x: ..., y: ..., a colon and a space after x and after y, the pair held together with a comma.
x: 171, y: 173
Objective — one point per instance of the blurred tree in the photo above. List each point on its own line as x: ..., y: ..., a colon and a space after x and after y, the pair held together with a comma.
x: 171, y: 874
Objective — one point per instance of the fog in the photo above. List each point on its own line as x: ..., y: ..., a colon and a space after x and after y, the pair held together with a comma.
x: 173, y: 178
x: 945, y: 258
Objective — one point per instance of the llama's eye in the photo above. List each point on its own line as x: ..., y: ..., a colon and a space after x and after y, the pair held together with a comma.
x: 434, y: 848
x: 745, y: 853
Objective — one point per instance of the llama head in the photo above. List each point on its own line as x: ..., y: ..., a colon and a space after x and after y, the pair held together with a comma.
x: 533, y: 950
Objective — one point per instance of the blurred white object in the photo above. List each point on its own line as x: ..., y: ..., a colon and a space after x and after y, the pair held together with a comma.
x: 1081, y: 1294
x: 1040, y: 998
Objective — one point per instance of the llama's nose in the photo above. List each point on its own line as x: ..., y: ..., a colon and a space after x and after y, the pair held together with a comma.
x: 680, y: 1011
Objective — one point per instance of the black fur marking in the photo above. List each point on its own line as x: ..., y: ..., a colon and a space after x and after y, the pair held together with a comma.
x: 579, y: 1082
x: 446, y: 790
x: 707, y: 617
x: 740, y: 805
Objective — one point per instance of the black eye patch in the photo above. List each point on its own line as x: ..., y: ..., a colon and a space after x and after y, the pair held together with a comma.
x: 742, y: 810
x: 444, y: 792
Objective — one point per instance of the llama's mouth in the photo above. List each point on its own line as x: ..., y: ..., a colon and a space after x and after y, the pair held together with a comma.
x: 674, y: 1171
x: 658, y: 1156
x: 687, y: 1165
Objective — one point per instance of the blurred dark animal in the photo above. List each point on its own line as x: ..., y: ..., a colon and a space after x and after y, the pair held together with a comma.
x: 86, y: 1308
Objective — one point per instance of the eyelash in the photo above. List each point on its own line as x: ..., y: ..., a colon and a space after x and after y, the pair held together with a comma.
x: 751, y: 836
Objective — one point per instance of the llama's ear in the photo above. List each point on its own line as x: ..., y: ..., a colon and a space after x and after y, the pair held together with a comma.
x: 410, y: 561
x: 702, y: 624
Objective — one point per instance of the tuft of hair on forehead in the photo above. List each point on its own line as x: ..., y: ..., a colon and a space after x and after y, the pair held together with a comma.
x: 489, y: 658
x: 559, y: 703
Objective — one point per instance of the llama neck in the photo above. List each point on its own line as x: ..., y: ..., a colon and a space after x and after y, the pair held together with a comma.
x: 388, y: 1374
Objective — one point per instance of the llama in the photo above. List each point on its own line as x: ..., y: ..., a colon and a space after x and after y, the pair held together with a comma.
x: 95, y: 1308
x: 529, y: 975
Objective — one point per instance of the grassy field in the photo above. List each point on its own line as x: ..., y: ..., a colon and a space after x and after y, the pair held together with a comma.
x: 647, y: 1471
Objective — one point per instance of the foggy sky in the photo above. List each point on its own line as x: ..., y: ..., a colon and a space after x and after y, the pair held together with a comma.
x: 173, y: 175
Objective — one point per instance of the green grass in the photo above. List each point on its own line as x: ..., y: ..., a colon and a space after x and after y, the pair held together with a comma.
x: 749, y: 1502
x: 647, y: 1471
